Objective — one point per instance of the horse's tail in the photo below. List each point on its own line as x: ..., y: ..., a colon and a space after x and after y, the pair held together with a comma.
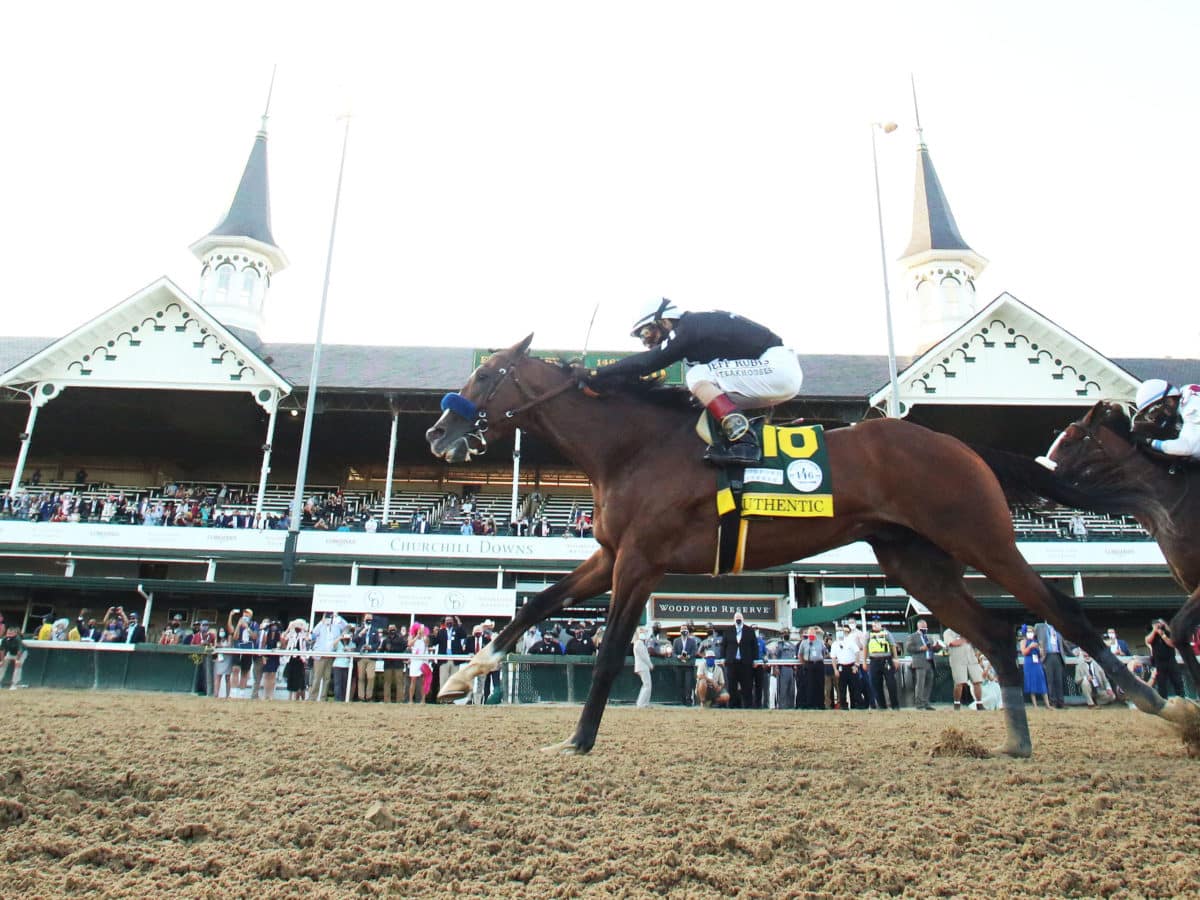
x: 1028, y: 483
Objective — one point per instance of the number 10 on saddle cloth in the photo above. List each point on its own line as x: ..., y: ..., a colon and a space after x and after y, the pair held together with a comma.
x: 792, y: 481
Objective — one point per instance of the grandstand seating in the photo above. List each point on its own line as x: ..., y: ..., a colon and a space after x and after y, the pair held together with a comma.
x: 559, y: 506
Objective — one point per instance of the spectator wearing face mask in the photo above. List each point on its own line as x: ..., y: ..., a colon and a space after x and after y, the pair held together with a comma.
x: 922, y: 648
x: 847, y: 655
x: 394, y: 668
x: 811, y: 653
x: 203, y: 638
x: 881, y: 656
x: 366, y: 640
x: 324, y: 640
x: 484, y: 685
x: 686, y: 648
x: 295, y: 641
x: 270, y: 638
x: 344, y: 645
x: 710, y: 681
x: 222, y: 663
x: 741, y: 650
x: 784, y: 676
x: 12, y: 655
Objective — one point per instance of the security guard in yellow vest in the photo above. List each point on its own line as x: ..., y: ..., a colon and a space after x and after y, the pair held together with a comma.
x: 881, y: 655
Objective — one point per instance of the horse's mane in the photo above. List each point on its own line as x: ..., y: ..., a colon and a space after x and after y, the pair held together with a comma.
x: 664, y: 396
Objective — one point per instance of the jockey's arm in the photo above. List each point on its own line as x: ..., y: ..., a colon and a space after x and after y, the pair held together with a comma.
x: 1187, y: 444
x: 669, y: 351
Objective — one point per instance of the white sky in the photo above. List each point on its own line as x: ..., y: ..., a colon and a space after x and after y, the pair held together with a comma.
x: 511, y: 165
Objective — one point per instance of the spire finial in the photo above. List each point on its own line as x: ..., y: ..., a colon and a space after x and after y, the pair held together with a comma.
x: 267, y: 109
x: 916, y: 110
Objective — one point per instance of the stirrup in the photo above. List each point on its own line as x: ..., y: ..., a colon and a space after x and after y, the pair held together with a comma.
x: 735, y: 425
x: 733, y: 453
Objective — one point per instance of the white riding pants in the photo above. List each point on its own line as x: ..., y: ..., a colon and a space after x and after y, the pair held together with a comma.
x: 752, y: 383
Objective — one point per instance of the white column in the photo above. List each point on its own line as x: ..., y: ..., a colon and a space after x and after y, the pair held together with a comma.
x: 512, y: 515
x: 266, y: 460
x: 26, y: 440
x: 391, y: 469
x: 1077, y: 584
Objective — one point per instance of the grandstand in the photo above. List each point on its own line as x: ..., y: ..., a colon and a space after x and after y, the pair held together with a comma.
x: 170, y: 400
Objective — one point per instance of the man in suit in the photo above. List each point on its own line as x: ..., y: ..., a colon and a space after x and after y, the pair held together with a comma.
x: 482, y: 635
x: 685, y: 647
x: 921, y: 647
x: 741, y: 649
x: 1052, y: 646
x: 1093, y: 683
x: 135, y: 632
x: 451, y: 641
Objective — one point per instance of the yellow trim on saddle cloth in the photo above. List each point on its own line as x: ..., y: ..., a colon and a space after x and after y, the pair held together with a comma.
x: 725, y: 501
x: 739, y: 560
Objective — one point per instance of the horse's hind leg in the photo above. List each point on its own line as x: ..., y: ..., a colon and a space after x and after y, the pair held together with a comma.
x: 1005, y: 566
x: 935, y: 578
x: 1183, y: 626
x: 590, y: 578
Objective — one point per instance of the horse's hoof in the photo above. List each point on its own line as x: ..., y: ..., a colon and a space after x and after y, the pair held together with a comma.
x: 565, y: 748
x: 1013, y: 751
x: 1184, y: 714
x: 451, y: 692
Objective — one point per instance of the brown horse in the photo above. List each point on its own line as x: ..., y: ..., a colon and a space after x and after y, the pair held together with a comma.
x: 925, y: 502
x: 1100, y: 451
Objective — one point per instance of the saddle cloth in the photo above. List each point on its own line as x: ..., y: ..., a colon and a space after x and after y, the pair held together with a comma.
x: 792, y: 481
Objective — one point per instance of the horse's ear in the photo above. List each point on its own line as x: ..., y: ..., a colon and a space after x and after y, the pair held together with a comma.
x: 522, y: 349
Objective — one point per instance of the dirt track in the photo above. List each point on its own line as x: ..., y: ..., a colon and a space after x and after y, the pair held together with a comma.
x: 138, y: 795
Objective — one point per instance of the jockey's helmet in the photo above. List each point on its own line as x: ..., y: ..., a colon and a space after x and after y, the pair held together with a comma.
x: 1152, y: 390
x: 655, y: 311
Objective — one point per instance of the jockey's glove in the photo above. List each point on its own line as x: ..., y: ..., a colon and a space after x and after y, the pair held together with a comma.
x: 582, y: 374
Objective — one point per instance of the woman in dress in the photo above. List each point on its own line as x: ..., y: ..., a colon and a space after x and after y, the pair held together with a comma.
x: 222, y: 663
x: 1035, y: 673
x: 293, y: 667
x: 271, y: 663
x: 416, y: 679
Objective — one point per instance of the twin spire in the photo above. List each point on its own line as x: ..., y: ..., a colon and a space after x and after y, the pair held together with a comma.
x: 239, y: 257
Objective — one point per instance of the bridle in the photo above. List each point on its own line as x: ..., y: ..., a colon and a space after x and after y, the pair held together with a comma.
x: 477, y: 414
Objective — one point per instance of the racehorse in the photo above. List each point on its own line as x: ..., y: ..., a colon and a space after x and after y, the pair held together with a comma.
x: 1100, y: 451
x: 926, y: 504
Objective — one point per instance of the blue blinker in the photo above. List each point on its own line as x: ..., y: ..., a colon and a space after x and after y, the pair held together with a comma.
x: 460, y: 406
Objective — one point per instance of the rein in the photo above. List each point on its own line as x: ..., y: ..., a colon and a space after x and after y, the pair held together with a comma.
x: 477, y: 414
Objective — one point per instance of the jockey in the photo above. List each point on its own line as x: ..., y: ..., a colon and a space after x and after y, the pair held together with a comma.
x: 736, y: 364
x: 1183, y: 402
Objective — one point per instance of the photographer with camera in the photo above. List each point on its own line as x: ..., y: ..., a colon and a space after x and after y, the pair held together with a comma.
x: 1162, y: 657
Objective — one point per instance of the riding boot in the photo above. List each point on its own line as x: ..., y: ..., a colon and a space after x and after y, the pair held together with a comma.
x: 735, y: 445
x: 726, y: 452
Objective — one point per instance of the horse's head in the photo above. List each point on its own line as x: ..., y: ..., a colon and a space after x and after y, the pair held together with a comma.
x: 490, y: 402
x: 1102, y: 435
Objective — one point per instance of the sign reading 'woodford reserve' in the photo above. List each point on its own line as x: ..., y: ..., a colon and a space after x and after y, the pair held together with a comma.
x: 719, y: 610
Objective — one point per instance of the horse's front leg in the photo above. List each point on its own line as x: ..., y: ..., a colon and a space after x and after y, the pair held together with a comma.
x: 633, y: 581
x: 591, y: 578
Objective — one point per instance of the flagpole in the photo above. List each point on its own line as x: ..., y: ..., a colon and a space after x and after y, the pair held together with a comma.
x: 310, y: 404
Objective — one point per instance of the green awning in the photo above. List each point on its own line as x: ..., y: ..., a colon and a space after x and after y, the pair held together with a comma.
x: 819, y: 615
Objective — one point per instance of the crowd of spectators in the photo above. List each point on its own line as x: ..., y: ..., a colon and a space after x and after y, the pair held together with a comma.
x: 811, y: 669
